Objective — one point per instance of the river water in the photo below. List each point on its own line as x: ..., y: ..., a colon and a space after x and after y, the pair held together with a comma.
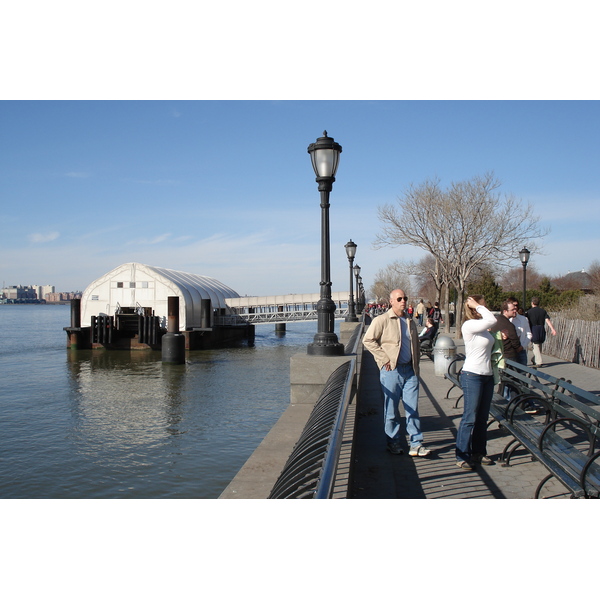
x: 83, y: 424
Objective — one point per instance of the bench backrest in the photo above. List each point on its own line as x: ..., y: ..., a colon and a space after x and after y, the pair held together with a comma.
x: 566, y: 399
x: 582, y: 395
x: 526, y: 379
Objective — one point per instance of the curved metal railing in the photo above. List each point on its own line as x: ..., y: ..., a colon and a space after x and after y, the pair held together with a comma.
x: 310, y: 470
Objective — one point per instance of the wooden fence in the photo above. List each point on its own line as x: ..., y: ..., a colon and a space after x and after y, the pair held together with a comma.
x: 575, y: 341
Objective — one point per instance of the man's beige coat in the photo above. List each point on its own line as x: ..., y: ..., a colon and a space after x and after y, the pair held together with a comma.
x: 382, y: 340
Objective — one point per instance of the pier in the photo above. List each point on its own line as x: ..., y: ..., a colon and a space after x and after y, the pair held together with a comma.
x: 367, y: 471
x: 128, y: 309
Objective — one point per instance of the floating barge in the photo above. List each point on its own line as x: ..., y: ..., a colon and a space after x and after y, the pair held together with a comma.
x: 128, y: 309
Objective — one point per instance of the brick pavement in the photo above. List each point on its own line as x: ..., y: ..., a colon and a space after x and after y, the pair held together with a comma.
x: 378, y: 474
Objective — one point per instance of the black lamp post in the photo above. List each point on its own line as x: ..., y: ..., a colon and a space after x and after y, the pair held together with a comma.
x: 325, y: 157
x: 351, y: 253
x: 356, y: 270
x: 524, y: 255
x: 363, y: 298
x: 362, y: 293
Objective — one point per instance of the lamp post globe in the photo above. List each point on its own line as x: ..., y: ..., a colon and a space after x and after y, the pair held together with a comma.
x: 325, y: 157
x: 351, y: 253
x: 524, y: 256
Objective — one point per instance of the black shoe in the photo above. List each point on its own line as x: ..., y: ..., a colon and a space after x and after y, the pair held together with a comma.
x: 395, y: 448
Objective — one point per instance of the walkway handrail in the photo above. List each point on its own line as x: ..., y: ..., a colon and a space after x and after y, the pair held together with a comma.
x: 326, y: 482
x: 356, y: 338
x: 310, y: 470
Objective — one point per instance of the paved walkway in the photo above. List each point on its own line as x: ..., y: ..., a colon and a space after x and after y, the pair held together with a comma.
x: 379, y: 474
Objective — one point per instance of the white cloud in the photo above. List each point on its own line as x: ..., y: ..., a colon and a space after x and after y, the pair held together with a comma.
x: 41, y: 238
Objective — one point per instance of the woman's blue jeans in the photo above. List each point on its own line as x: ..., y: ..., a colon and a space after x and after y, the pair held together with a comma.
x: 472, y: 431
x: 401, y: 384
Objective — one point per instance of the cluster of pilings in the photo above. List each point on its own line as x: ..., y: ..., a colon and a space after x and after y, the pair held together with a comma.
x: 130, y: 331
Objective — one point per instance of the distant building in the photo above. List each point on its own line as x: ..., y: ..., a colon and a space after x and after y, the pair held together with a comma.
x: 577, y: 280
x: 19, y: 292
x: 32, y: 294
x: 62, y: 296
x: 42, y: 290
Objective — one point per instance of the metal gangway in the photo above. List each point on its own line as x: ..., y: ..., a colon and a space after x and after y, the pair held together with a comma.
x: 283, y: 308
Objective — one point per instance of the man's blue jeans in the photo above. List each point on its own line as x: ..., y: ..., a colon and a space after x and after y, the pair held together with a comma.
x: 472, y: 431
x: 401, y: 384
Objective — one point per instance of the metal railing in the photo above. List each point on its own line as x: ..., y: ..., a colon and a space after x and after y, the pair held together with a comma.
x: 310, y: 471
x: 229, y: 320
x: 286, y: 316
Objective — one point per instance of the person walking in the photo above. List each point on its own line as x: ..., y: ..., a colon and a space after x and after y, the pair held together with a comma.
x: 436, y: 315
x: 420, y: 312
x: 538, y: 319
x: 477, y: 382
x: 428, y: 310
x: 393, y: 341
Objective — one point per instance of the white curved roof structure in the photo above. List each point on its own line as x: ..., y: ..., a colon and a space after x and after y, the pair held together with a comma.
x: 136, y: 285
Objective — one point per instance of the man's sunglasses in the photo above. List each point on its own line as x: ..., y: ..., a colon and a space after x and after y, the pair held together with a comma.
x: 400, y: 298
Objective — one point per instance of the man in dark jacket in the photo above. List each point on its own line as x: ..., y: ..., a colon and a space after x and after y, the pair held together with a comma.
x: 510, y: 336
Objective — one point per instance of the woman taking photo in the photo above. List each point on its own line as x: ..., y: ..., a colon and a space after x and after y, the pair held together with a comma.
x: 477, y: 382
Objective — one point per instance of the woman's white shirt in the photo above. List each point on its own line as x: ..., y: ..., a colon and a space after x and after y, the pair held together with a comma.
x: 479, y: 343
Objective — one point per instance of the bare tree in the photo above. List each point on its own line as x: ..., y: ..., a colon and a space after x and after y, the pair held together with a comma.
x: 594, y: 273
x: 393, y: 276
x: 433, y: 283
x: 512, y: 280
x: 464, y: 227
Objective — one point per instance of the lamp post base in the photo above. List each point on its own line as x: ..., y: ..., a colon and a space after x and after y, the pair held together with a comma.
x: 328, y: 347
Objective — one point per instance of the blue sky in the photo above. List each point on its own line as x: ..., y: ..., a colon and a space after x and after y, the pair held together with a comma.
x: 226, y: 189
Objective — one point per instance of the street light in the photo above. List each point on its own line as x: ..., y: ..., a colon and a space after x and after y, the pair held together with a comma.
x: 356, y: 274
x: 362, y: 293
x: 325, y: 157
x: 351, y: 253
x: 524, y: 256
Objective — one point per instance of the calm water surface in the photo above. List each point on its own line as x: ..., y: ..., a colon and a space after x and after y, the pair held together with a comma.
x: 83, y: 424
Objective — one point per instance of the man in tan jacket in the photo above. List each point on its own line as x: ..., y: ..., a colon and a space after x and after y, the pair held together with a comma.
x: 393, y: 340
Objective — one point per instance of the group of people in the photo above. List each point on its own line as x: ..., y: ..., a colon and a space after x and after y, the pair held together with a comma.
x: 393, y: 339
x: 424, y: 312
